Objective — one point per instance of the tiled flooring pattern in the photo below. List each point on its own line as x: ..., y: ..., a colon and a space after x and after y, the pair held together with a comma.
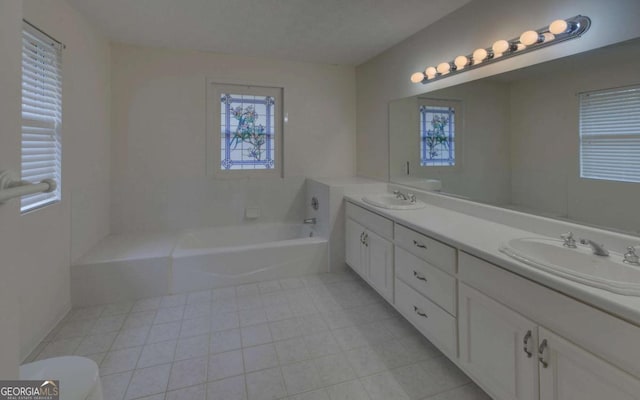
x: 321, y: 337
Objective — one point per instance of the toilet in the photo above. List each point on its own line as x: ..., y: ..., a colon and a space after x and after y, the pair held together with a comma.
x: 78, y: 376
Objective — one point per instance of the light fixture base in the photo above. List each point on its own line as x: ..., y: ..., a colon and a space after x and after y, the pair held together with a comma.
x: 576, y: 27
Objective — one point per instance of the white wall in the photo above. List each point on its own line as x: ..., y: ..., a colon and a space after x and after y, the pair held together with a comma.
x: 545, y: 143
x: 482, y: 127
x: 479, y: 23
x: 159, y: 177
x: 37, y: 247
x: 10, y: 75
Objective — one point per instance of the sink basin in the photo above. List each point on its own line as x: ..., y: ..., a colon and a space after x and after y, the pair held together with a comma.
x: 391, y: 202
x: 579, y: 265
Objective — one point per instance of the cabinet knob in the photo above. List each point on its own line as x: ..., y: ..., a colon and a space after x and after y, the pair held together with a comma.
x: 542, y: 353
x: 525, y: 341
x: 418, y: 244
x: 419, y: 276
x: 420, y: 313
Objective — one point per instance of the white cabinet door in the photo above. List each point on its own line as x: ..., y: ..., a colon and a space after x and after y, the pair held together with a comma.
x: 380, y: 259
x: 572, y: 373
x: 497, y: 346
x: 354, y: 247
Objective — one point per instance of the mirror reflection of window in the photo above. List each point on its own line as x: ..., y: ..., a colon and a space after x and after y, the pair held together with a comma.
x: 610, y: 134
x: 438, y: 134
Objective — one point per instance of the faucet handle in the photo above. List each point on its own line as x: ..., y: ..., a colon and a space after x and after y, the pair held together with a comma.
x: 631, y: 256
x: 412, y: 197
x: 569, y: 240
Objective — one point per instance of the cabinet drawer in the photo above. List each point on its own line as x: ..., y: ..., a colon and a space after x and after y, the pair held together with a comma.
x: 430, y: 250
x: 437, y: 285
x: 432, y: 321
x: 376, y: 223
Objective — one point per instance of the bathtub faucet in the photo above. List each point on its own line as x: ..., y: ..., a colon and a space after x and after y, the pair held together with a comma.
x: 310, y: 221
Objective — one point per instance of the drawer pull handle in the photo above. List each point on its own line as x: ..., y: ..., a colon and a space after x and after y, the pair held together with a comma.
x: 362, y: 238
x: 420, y: 313
x: 527, y: 351
x: 542, y: 353
x: 366, y: 240
x: 419, y: 276
x: 418, y: 244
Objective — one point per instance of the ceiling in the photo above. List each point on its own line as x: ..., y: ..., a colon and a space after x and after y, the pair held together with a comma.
x: 345, y: 32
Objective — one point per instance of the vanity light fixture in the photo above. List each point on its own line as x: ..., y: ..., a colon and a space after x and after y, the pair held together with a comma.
x: 558, y: 31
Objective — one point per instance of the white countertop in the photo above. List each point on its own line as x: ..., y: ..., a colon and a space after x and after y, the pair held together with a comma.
x: 482, y: 238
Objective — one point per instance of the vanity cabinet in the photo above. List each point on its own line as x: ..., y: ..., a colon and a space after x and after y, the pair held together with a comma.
x: 513, y: 357
x: 369, y: 253
x: 516, y: 338
x: 497, y: 346
x: 573, y: 373
x: 355, y: 246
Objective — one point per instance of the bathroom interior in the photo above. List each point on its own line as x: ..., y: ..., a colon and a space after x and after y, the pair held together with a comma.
x: 369, y: 200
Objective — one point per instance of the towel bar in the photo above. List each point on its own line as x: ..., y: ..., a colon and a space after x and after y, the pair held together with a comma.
x: 11, y: 187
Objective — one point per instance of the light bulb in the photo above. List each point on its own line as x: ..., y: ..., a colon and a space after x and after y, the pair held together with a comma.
x: 430, y: 72
x: 417, y: 77
x: 558, y: 26
x: 530, y: 37
x: 500, y: 47
x: 479, y: 55
x: 461, y: 62
x: 444, y: 68
x: 548, y: 36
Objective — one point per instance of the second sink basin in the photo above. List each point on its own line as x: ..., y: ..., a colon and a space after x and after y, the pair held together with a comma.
x: 579, y: 265
x: 391, y: 202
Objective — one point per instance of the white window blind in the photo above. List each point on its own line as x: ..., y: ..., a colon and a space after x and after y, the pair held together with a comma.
x: 41, y: 114
x: 610, y: 134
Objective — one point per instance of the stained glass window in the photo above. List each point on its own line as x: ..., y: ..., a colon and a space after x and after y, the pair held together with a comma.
x: 248, y: 130
x: 437, y: 136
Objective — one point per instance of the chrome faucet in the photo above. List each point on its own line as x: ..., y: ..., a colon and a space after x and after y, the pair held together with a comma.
x: 409, y: 196
x: 400, y: 195
x: 598, y: 249
x: 631, y: 256
x: 310, y: 221
x: 569, y: 240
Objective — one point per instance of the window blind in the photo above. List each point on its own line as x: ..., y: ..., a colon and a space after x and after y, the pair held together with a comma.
x: 610, y: 134
x: 41, y: 114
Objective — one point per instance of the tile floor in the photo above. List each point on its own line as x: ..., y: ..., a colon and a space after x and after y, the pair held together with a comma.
x: 320, y: 337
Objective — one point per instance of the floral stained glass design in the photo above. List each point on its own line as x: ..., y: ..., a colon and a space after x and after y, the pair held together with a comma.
x: 437, y: 134
x: 247, y: 132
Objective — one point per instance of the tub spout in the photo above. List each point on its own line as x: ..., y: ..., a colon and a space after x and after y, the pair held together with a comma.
x: 310, y: 221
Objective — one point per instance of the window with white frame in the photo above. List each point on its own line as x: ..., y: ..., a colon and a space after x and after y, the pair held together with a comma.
x: 610, y: 134
x: 245, y: 130
x: 439, y: 133
x: 41, y: 114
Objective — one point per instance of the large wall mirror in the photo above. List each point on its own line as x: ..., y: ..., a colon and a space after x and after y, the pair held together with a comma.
x: 559, y: 139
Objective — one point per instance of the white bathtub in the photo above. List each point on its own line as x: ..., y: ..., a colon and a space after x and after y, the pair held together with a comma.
x: 217, y: 257
x: 132, y: 266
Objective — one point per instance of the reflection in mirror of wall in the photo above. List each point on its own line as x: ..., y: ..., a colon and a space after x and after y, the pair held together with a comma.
x: 518, y: 139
